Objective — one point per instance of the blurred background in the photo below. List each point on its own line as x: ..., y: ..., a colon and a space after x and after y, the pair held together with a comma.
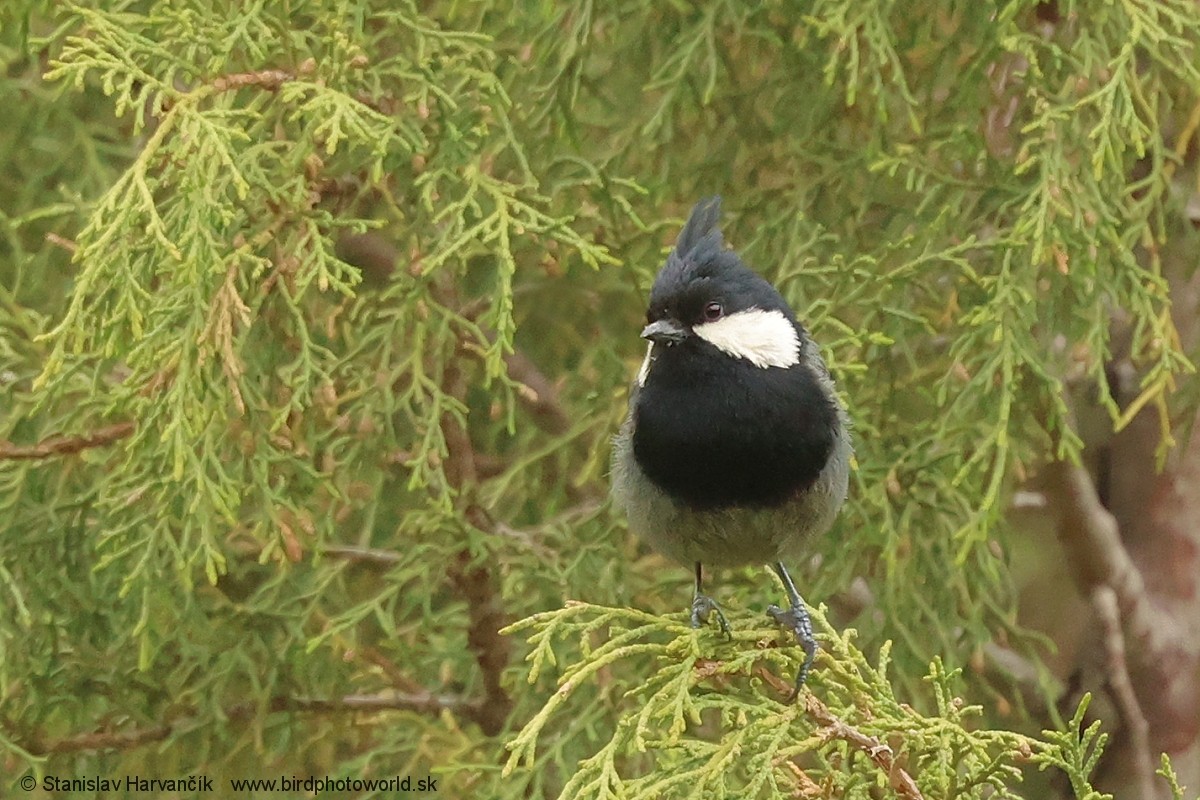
x: 316, y: 319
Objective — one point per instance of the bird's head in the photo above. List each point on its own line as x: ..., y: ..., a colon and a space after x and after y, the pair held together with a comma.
x: 706, y: 298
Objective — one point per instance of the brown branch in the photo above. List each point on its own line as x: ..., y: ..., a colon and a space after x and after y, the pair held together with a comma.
x: 474, y: 582
x: 423, y: 702
x: 879, y: 753
x: 101, y: 740
x: 400, y: 681
x: 476, y: 585
x: 1104, y: 601
x: 537, y: 396
x: 805, y: 786
x: 64, y: 445
x: 366, y: 555
x: 270, y: 79
x: 1091, y: 540
x: 61, y: 241
x: 834, y: 728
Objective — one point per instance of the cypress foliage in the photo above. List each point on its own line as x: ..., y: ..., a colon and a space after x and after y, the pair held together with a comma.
x: 316, y: 318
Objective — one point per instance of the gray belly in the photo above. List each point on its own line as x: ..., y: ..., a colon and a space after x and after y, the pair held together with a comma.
x: 732, y: 536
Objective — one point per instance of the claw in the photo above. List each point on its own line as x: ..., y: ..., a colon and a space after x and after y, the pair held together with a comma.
x: 796, y: 620
x: 702, y: 607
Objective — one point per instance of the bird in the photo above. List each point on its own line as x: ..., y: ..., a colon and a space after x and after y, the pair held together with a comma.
x: 736, y: 448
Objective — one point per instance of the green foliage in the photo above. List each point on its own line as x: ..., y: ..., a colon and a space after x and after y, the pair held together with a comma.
x: 925, y: 206
x: 281, y: 469
x: 692, y: 715
x: 272, y: 404
x: 1168, y: 774
x: 1076, y: 751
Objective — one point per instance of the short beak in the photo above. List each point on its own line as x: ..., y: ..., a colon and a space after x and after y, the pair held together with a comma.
x: 665, y: 331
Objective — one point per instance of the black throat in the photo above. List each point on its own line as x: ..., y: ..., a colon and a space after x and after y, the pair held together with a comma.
x: 714, y: 431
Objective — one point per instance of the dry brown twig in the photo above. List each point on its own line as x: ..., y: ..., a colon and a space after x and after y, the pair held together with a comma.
x: 832, y: 727
x: 65, y: 445
x: 1104, y: 601
x: 880, y: 753
x: 419, y: 702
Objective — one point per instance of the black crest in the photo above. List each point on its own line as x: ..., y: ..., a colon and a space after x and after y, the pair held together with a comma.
x: 700, y: 268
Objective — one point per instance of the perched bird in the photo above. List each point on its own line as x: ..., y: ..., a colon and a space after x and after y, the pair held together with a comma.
x: 736, y: 449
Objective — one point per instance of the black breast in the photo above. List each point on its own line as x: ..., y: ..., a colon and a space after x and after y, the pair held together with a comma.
x: 714, y: 431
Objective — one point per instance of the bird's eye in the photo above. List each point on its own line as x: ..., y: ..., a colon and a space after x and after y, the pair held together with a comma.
x: 713, y: 312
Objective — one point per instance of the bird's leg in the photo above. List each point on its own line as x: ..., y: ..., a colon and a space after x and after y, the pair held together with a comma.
x: 703, y: 605
x: 796, y: 620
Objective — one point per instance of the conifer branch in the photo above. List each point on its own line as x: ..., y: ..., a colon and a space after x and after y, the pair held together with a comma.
x: 475, y: 582
x: 1026, y: 169
x: 832, y: 727
x: 880, y: 753
x: 378, y: 258
x: 423, y: 702
x: 66, y: 445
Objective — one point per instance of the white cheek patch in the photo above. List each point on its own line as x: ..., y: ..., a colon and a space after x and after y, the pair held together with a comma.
x: 645, y: 370
x: 764, y: 338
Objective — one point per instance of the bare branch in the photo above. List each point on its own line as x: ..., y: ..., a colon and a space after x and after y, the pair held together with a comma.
x: 538, y: 396
x: 61, y: 241
x: 102, y: 740
x: 366, y: 555
x: 1104, y: 601
x: 879, y: 753
x: 1090, y: 537
x: 64, y: 445
x: 420, y: 702
x: 270, y: 79
x: 833, y: 728
x: 474, y: 582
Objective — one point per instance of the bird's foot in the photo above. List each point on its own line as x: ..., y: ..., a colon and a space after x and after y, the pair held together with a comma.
x: 702, y: 607
x: 796, y: 620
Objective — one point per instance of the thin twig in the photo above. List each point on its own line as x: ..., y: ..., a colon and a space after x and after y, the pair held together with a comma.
x: 270, y: 79
x: 1104, y: 601
x: 833, y: 728
x: 61, y: 241
x: 1091, y: 539
x: 102, y: 740
x: 419, y: 702
x: 473, y: 581
x: 366, y: 555
x: 65, y: 445
x: 806, y: 787
x: 400, y: 681
x: 879, y: 753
